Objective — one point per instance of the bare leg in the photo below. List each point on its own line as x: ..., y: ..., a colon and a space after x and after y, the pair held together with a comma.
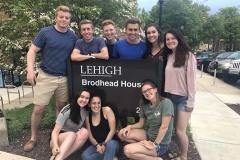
x: 36, y: 120
x: 82, y: 136
x: 135, y: 135
x: 181, y: 127
x: 138, y: 152
x: 70, y: 142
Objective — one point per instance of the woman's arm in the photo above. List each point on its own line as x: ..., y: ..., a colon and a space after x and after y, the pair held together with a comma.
x: 163, y: 128
x: 108, y: 113
x: 191, y: 81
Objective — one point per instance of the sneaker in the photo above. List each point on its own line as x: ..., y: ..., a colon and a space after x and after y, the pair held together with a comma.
x: 29, y: 145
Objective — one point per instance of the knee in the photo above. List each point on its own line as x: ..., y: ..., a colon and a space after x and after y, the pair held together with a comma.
x: 120, y: 135
x: 127, y: 151
x: 82, y: 134
x: 38, y: 110
x: 180, y: 132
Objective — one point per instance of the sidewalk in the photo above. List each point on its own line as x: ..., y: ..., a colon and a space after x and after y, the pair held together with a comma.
x: 215, y: 126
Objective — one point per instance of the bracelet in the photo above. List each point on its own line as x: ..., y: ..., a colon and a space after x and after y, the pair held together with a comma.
x: 96, y: 145
x: 104, y: 143
x: 155, y: 144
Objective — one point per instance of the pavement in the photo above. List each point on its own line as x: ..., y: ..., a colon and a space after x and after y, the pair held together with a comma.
x: 215, y: 126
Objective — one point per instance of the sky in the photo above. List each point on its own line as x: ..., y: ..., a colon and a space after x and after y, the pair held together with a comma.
x: 213, y: 4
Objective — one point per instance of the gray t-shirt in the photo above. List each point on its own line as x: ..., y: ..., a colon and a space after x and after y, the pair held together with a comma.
x: 154, y: 115
x: 66, y: 123
x: 95, y: 46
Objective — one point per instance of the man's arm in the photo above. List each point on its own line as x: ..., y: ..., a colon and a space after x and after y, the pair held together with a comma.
x: 31, y: 56
x: 102, y: 55
x: 77, y: 56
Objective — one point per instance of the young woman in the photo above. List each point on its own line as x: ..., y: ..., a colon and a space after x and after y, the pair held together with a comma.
x: 101, y: 125
x: 154, y: 41
x: 153, y: 142
x: 68, y: 134
x: 180, y: 77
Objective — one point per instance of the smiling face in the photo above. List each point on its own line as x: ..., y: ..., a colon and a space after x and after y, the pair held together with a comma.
x: 171, y: 41
x: 152, y: 34
x: 133, y: 31
x: 87, y: 32
x: 95, y: 104
x: 149, y: 92
x: 83, y: 99
x: 62, y: 20
x: 109, y: 32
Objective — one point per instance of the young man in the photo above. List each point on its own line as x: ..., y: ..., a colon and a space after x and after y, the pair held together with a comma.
x: 109, y: 31
x: 56, y: 44
x: 90, y: 46
x: 132, y: 47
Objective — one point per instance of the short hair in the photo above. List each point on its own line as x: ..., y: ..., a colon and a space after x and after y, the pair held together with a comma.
x: 62, y: 8
x: 85, y: 21
x: 107, y: 22
x: 133, y: 21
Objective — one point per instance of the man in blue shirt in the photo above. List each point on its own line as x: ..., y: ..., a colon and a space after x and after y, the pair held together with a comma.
x: 90, y: 46
x: 56, y: 44
x: 132, y: 47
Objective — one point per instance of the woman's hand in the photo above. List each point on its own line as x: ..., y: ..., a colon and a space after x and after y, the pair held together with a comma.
x: 100, y: 149
x: 126, y: 131
x: 189, y: 108
x: 148, y: 144
x: 55, y: 150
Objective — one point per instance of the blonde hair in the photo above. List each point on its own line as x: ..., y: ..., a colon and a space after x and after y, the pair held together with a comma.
x: 107, y: 22
x: 62, y: 8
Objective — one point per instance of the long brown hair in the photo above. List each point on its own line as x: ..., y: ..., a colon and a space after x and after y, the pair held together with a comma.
x: 182, y: 51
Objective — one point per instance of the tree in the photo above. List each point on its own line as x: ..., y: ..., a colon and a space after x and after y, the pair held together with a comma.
x: 213, y: 31
x: 231, y: 18
x: 25, y: 18
x: 184, y: 15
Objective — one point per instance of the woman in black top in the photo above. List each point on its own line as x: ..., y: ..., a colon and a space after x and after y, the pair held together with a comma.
x: 101, y: 124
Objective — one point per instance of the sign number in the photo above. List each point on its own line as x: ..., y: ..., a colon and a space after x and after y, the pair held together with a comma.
x: 138, y: 110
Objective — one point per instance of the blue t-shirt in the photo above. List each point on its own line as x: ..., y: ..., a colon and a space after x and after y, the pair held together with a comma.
x: 95, y: 46
x: 125, y: 50
x: 55, y: 49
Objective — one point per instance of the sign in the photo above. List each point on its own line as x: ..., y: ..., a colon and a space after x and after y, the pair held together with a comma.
x: 119, y: 79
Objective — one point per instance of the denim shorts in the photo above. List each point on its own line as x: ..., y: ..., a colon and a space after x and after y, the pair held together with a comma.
x: 161, y: 149
x: 179, y: 102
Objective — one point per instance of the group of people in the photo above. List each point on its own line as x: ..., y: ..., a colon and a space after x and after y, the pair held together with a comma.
x: 86, y: 117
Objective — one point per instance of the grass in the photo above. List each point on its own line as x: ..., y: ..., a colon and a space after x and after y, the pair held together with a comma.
x: 19, y: 119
